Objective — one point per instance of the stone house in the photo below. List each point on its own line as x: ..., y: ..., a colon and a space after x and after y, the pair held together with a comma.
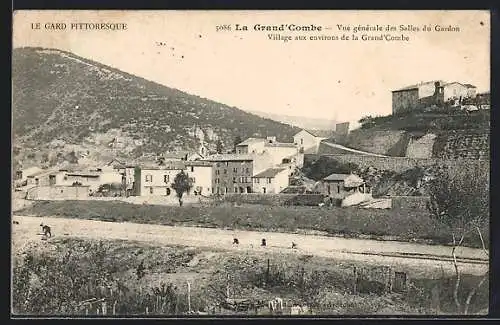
x: 201, y: 174
x: 271, y: 181
x: 308, y: 141
x: 347, y: 188
x: 157, y: 180
x: 429, y: 93
x: 92, y: 179
x: 278, y: 151
x: 232, y: 173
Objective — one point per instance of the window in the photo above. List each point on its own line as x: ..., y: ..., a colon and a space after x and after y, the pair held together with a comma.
x: 235, y: 170
x: 227, y: 190
x: 269, y: 180
x: 168, y: 191
x: 338, y: 188
x: 234, y: 179
x: 166, y: 178
x: 149, y: 178
x: 150, y: 190
x: 256, y: 180
x: 192, y: 168
x: 235, y: 190
x: 217, y: 172
x: 218, y: 164
x: 264, y: 190
x: 217, y: 181
x: 247, y: 170
x: 301, y: 141
x: 225, y: 171
x: 227, y: 163
x: 192, y: 179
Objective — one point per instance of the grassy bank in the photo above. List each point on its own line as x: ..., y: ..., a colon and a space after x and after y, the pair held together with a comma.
x: 351, y: 222
x: 134, y: 277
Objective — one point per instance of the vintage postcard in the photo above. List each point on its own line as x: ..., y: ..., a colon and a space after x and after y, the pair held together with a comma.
x: 250, y: 163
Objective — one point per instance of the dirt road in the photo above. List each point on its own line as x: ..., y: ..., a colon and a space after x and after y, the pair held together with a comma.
x: 473, y: 261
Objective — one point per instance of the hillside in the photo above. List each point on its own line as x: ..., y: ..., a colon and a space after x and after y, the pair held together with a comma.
x: 62, y: 100
x: 441, y: 133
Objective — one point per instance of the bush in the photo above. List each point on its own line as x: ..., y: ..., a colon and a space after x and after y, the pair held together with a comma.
x: 56, y: 282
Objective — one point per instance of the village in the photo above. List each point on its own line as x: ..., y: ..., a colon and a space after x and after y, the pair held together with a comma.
x: 255, y: 166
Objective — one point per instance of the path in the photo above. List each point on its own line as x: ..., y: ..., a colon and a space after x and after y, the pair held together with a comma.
x: 474, y: 261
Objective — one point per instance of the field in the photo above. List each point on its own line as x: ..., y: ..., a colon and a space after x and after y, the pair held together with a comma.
x: 139, y: 278
x: 393, y: 224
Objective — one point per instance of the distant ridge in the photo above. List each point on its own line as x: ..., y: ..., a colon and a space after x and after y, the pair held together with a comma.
x: 300, y: 121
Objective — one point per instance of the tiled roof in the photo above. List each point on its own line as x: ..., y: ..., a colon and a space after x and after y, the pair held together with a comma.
x: 416, y: 86
x: 168, y: 165
x: 271, y: 172
x: 84, y: 173
x: 199, y: 163
x: 31, y: 171
x: 320, y: 133
x: 41, y: 173
x: 250, y: 141
x: 353, y: 179
x: 336, y: 177
x: 281, y: 144
x: 229, y: 157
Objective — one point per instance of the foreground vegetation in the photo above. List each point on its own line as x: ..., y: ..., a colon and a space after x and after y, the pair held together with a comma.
x: 73, y: 276
x: 405, y: 225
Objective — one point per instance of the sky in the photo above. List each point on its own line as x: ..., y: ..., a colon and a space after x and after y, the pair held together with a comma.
x: 331, y: 79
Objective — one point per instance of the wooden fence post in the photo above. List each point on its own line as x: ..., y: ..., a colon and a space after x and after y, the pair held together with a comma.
x: 189, y: 297
x: 391, y: 278
x: 114, y: 308
x: 355, y: 276
x: 104, y: 308
x: 147, y: 310
x: 267, y: 272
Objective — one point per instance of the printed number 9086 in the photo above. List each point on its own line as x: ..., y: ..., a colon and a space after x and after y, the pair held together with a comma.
x: 223, y: 28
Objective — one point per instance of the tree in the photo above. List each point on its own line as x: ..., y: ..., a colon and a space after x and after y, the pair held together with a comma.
x: 237, y: 140
x: 219, y: 146
x: 182, y: 184
x: 325, y: 166
x: 460, y: 202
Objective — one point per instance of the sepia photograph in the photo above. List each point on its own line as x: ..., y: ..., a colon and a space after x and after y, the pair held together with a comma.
x: 190, y: 163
